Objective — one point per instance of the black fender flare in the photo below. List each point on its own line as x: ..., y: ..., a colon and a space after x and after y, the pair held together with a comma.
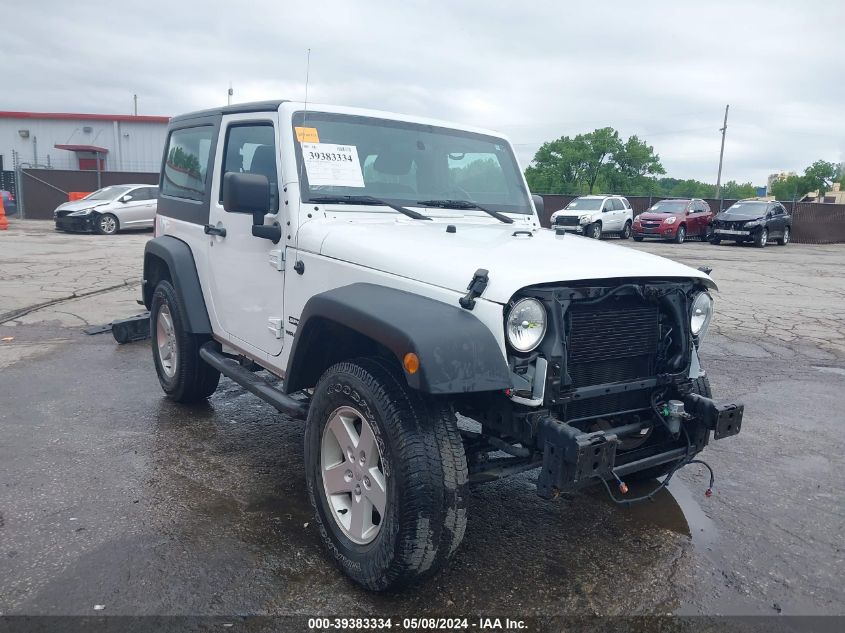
x: 457, y: 352
x: 179, y: 259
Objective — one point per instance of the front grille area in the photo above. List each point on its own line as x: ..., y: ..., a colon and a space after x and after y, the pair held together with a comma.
x: 606, y: 405
x: 611, y: 344
x: 724, y: 224
x: 567, y: 220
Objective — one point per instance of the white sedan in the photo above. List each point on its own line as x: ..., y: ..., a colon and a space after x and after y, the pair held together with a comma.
x: 109, y: 210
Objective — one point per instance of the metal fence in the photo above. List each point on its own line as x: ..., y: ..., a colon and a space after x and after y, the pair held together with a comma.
x: 40, y: 191
x: 812, y: 222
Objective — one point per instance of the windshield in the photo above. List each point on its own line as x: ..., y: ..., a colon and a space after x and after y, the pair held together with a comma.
x: 669, y: 206
x: 107, y: 193
x: 747, y: 208
x: 585, y: 204
x: 405, y: 163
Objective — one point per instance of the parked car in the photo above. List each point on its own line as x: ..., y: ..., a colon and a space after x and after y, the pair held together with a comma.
x: 357, y: 258
x: 10, y: 207
x: 752, y: 220
x: 594, y: 216
x: 675, y: 220
x: 109, y: 210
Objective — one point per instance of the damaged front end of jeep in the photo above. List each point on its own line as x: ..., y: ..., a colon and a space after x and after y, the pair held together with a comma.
x: 610, y: 388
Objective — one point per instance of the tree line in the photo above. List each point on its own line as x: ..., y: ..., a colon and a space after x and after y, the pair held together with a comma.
x: 602, y: 161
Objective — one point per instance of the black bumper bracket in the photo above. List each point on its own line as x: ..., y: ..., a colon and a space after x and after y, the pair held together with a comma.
x: 723, y: 418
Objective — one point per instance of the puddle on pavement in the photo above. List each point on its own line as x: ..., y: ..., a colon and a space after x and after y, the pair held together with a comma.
x: 673, y: 508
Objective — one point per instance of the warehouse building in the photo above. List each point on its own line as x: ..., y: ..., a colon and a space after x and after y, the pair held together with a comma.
x: 58, y: 140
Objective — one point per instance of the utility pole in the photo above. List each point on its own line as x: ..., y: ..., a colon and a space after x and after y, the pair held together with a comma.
x: 230, y: 93
x: 723, y: 129
x: 135, y: 102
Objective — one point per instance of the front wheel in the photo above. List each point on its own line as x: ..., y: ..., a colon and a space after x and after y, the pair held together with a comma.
x: 680, y: 235
x: 784, y: 240
x: 638, y: 238
x: 626, y: 232
x: 183, y: 375
x: 386, y: 475
x: 762, y: 238
x: 594, y: 230
x: 716, y: 240
x: 107, y: 224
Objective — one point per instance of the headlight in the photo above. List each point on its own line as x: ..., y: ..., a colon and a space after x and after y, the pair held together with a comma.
x: 585, y: 219
x: 752, y: 224
x: 526, y: 325
x: 82, y: 212
x: 670, y: 220
x: 702, y: 312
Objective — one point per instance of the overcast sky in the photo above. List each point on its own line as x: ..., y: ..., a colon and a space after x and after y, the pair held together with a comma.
x: 663, y: 70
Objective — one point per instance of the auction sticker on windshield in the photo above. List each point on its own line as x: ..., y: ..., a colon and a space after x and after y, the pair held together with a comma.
x: 332, y: 165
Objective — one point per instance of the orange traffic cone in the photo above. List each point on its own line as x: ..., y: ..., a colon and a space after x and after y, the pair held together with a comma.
x: 4, y: 221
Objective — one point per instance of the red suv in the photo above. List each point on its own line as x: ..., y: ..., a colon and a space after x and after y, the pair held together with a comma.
x: 675, y: 220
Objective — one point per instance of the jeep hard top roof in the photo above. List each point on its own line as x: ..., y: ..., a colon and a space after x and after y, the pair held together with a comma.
x: 238, y: 108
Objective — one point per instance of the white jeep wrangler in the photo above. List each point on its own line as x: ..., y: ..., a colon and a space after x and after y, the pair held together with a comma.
x: 390, y: 274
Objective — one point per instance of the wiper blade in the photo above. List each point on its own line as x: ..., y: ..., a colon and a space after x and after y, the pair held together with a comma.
x: 465, y: 204
x: 368, y: 200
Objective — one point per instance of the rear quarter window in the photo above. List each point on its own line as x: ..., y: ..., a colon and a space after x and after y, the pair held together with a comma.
x: 186, y: 163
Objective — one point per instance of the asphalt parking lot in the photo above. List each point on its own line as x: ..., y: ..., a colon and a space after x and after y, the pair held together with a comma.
x: 111, y: 495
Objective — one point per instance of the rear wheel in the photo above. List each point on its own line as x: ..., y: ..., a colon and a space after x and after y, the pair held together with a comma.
x: 762, y: 238
x: 386, y: 475
x: 626, y: 232
x: 784, y: 240
x: 701, y: 386
x: 183, y: 375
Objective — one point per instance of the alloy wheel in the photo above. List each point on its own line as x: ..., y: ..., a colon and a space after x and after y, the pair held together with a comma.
x: 354, y: 482
x: 168, y: 354
x: 108, y: 224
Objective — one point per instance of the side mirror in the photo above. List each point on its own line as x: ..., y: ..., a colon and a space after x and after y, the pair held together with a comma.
x: 125, y: 198
x: 539, y: 204
x: 247, y: 193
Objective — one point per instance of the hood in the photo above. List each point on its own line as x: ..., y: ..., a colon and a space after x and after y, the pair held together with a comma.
x: 740, y: 217
x: 78, y: 205
x: 575, y: 212
x: 425, y: 251
x: 657, y: 216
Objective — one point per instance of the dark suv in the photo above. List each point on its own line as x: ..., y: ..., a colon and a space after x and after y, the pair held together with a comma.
x: 755, y: 221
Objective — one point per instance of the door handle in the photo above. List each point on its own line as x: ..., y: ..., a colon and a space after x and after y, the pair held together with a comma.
x: 210, y: 229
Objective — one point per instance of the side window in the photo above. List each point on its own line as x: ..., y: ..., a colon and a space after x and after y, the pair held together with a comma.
x: 139, y: 194
x: 626, y: 204
x: 608, y: 205
x: 186, y: 165
x: 617, y: 205
x: 251, y: 149
x: 153, y: 193
x: 779, y: 210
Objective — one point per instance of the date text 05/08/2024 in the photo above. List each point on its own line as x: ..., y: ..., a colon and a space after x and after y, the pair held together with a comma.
x: 414, y: 624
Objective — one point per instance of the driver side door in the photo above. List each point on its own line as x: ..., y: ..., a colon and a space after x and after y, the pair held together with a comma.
x: 247, y: 272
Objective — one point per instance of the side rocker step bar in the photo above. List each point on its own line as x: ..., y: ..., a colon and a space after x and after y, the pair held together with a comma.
x: 252, y: 383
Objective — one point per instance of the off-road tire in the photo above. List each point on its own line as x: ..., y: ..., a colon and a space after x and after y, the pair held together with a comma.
x: 626, y: 231
x: 701, y: 386
x: 784, y: 239
x: 194, y: 379
x: 98, y: 224
x: 424, y: 465
x: 680, y: 234
x: 762, y: 238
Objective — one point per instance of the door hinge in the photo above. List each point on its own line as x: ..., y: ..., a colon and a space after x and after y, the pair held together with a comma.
x: 277, y: 259
x: 274, y: 324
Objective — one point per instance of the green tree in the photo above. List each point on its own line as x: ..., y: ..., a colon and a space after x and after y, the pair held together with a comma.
x: 820, y: 176
x: 597, y: 150
x: 634, y: 167
x: 557, y: 167
x: 735, y: 190
x: 789, y: 188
